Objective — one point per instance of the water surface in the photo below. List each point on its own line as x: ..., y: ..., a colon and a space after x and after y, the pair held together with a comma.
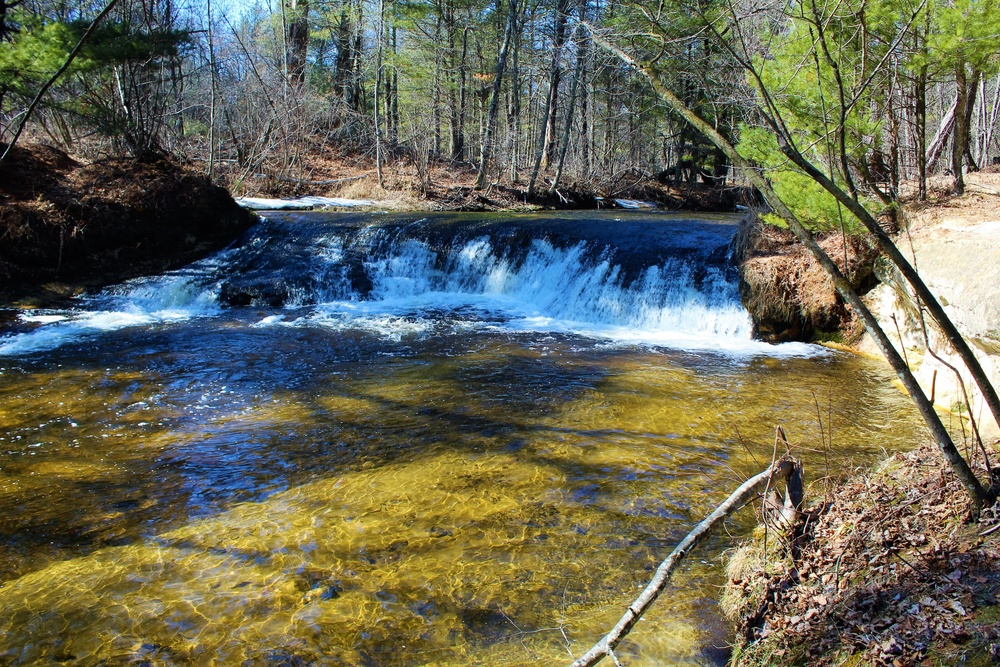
x: 387, y: 440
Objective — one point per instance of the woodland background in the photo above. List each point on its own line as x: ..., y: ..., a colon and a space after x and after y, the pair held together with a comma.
x: 514, y: 93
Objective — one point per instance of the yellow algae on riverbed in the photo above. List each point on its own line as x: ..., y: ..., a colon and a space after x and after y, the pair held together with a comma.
x: 440, y: 551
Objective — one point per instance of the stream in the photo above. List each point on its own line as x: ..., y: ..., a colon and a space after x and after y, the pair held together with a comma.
x: 403, y: 439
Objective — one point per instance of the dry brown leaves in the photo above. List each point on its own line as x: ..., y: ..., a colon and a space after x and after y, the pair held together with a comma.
x: 888, y: 572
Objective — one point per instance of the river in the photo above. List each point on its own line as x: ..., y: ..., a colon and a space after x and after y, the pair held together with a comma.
x: 402, y: 439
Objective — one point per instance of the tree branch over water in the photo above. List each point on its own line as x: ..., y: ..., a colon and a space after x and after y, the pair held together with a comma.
x: 978, y: 495
x: 785, y: 468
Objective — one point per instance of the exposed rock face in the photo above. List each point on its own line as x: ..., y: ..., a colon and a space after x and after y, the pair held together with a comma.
x: 960, y: 262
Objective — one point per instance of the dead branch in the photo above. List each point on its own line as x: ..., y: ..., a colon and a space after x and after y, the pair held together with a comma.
x: 784, y: 468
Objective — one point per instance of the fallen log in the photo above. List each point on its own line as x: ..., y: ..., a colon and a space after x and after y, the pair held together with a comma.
x: 785, y: 468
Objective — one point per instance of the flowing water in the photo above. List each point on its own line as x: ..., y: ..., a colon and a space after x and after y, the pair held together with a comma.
x: 363, y: 439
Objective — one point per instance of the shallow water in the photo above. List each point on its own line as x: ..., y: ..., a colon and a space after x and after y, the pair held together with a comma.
x: 471, y: 477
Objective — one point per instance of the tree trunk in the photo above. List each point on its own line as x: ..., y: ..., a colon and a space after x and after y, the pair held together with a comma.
x: 297, y: 42
x: 458, y: 101
x: 436, y: 99
x: 343, y: 66
x: 514, y: 118
x: 570, y: 107
x: 555, y: 78
x: 991, y: 122
x: 961, y: 132
x: 920, y: 120
x: 212, y: 90
x: 378, y: 85
x: 941, y: 137
x: 970, y: 109
x: 585, y: 143
x: 977, y: 494
x: 491, y: 118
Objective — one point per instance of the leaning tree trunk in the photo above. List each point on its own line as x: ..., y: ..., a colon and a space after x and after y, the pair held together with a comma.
x: 977, y: 494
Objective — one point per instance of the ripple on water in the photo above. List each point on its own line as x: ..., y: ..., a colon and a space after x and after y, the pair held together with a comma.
x: 453, y: 553
x: 364, y: 504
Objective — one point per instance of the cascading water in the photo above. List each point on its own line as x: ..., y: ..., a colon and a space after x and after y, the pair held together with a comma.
x: 656, y: 279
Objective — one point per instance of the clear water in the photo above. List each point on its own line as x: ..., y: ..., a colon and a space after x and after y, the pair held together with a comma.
x: 453, y: 441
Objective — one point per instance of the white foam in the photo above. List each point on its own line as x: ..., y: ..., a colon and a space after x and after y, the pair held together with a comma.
x: 168, y: 298
x: 416, y: 292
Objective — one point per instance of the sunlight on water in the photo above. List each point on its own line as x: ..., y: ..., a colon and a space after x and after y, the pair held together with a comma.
x: 256, y: 486
x: 495, y: 505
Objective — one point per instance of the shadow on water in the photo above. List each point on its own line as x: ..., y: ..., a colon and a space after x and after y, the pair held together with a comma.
x: 229, y: 490
x: 198, y: 437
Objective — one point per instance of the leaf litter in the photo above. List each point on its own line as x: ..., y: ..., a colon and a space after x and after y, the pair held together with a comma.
x: 887, y: 571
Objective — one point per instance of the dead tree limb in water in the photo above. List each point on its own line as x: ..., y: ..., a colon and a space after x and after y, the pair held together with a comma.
x: 784, y: 469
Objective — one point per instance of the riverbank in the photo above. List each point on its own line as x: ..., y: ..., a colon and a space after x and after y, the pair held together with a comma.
x: 886, y: 572
x: 67, y: 227
x: 954, y: 242
x: 445, y: 185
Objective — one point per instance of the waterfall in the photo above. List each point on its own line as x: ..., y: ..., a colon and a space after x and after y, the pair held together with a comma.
x: 640, y: 278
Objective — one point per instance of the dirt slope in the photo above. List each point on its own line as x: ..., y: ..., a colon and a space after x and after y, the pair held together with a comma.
x: 66, y: 226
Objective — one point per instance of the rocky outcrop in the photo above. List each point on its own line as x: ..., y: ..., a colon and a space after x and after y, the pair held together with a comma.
x: 959, y: 260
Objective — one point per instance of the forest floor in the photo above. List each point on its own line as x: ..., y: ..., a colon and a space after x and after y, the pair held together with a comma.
x: 447, y: 185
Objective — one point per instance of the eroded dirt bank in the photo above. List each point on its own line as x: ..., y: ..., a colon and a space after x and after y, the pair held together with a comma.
x: 954, y: 242
x: 789, y: 296
x: 65, y: 226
